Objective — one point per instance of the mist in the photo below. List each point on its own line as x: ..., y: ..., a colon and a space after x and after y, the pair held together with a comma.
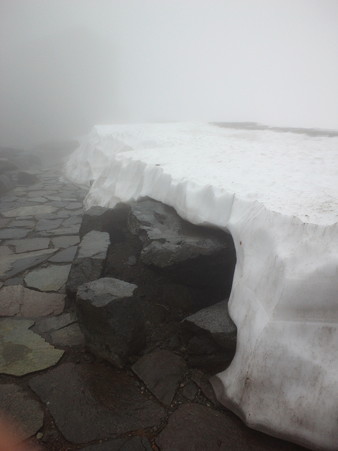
x: 67, y: 65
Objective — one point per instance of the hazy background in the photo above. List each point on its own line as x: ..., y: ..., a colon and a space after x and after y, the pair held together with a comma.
x: 69, y: 64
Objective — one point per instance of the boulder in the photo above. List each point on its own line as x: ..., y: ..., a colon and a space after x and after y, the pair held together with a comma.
x: 215, y: 322
x: 89, y: 262
x: 111, y: 318
x: 193, y: 255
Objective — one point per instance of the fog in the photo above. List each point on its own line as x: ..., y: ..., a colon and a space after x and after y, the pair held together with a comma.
x: 67, y: 65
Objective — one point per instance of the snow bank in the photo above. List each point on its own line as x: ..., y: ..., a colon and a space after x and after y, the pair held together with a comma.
x: 277, y: 194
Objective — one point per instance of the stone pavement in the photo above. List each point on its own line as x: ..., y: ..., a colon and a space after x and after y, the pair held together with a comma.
x: 60, y: 395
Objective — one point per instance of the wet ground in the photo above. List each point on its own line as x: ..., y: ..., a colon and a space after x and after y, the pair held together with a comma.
x: 62, y: 396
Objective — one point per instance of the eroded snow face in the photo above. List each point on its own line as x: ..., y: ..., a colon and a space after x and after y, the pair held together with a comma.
x: 277, y: 194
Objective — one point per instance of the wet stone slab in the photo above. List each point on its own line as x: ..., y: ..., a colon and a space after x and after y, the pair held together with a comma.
x: 3, y: 222
x: 93, y: 402
x: 14, y: 281
x: 38, y: 200
x: 72, y: 230
x: 73, y: 220
x: 162, y: 372
x: 17, y: 300
x: 19, y: 407
x: 54, y: 323
x: 23, y: 351
x: 29, y: 244
x: 37, y: 194
x: 48, y: 224
x: 65, y: 241
x: 23, y: 223
x: 9, y: 234
x: 33, y: 210
x: 13, y: 264
x: 122, y: 444
x: 52, y: 278
x: 64, y: 256
x: 74, y: 206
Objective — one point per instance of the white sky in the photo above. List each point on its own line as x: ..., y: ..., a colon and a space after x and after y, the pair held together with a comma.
x: 69, y: 64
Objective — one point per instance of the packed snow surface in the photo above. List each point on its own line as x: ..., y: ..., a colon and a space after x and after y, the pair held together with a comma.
x: 277, y: 194
x: 289, y: 173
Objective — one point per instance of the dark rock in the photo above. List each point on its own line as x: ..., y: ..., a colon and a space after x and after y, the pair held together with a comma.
x: 202, y: 381
x: 105, y: 220
x: 215, y: 322
x: 25, y: 178
x: 204, y: 353
x: 192, y: 255
x: 95, y: 402
x: 89, y: 262
x: 19, y: 406
x: 195, y: 427
x: 122, y: 444
x: 111, y: 319
x: 161, y: 371
x: 210, y: 338
x: 190, y: 391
